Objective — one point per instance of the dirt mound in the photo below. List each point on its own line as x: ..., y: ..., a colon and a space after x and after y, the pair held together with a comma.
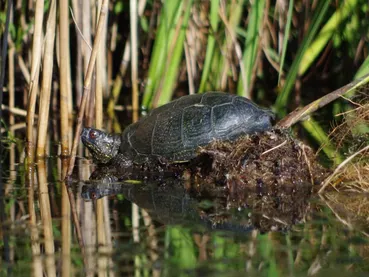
x: 268, y: 160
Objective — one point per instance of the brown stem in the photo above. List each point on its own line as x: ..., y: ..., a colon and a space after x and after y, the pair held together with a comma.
x: 301, y: 113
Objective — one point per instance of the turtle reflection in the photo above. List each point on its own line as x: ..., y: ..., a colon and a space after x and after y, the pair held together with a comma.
x: 169, y: 202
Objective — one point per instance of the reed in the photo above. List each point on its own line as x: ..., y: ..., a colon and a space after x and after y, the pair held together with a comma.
x: 47, y: 70
x: 34, y: 233
x: 253, y: 48
x: 286, y: 36
x: 326, y: 33
x: 65, y: 90
x: 65, y: 223
x: 8, y: 253
x: 210, y: 47
x: 87, y: 83
x: 254, y: 34
x: 46, y: 218
x: 175, y: 48
x: 282, y: 99
x: 77, y: 21
x: 169, y: 40
x: 100, y: 222
x: 134, y: 57
x: 118, y: 81
x: 33, y: 85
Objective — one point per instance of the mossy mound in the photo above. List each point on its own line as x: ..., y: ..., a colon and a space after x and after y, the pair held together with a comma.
x: 263, y: 161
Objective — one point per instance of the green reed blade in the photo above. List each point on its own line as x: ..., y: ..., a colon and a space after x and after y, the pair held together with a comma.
x: 363, y: 70
x: 171, y: 69
x: 182, y: 247
x: 286, y: 37
x: 325, y: 34
x: 251, y: 46
x: 283, y: 97
x: 317, y: 132
x: 233, y: 13
x: 214, y: 22
x: 169, y: 15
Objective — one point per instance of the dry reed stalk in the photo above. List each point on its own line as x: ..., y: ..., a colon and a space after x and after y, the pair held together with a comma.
x: 87, y: 15
x: 86, y: 31
x: 65, y: 92
x: 12, y: 109
x: 47, y: 71
x: 34, y: 235
x: 118, y: 82
x: 340, y: 167
x: 76, y: 15
x: 11, y: 83
x: 233, y: 43
x: 230, y: 24
x: 251, y: 250
x: 191, y: 54
x: 24, y: 69
x: 33, y: 85
x: 87, y: 83
x: 301, y: 113
x: 101, y: 234
x: 152, y: 235
x: 88, y: 223
x: 201, y: 243
x: 108, y: 235
x: 14, y: 127
x: 134, y: 57
x: 102, y: 260
x: 12, y: 171
x: 46, y: 218
x: 135, y: 222
x: 65, y: 224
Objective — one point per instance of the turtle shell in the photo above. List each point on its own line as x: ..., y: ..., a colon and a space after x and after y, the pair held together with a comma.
x: 172, y: 132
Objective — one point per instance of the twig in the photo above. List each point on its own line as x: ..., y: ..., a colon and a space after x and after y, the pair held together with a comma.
x: 275, y: 147
x: 78, y: 29
x: 308, y: 164
x: 340, y: 166
x: 15, y: 110
x: 301, y: 113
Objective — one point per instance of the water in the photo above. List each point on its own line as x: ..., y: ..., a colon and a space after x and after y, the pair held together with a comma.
x: 159, y: 228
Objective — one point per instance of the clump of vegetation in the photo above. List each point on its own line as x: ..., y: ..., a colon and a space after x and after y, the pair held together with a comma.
x: 352, y: 140
x: 270, y: 160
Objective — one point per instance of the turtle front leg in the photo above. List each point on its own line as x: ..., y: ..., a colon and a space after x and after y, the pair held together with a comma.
x: 122, y: 161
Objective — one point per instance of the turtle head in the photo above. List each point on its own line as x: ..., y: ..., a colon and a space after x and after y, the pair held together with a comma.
x: 103, y: 146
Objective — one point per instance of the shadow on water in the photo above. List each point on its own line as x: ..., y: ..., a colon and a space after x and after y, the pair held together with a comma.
x: 178, y: 230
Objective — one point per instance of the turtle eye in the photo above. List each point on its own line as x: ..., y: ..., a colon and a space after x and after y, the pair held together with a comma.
x: 93, y: 134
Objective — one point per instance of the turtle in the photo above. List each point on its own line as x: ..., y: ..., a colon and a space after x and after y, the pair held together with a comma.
x: 172, y: 133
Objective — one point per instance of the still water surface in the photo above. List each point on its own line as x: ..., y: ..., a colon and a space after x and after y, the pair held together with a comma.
x: 163, y: 228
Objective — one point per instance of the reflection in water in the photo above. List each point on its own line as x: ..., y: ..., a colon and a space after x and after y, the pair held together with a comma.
x: 169, y: 202
x: 179, y: 229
